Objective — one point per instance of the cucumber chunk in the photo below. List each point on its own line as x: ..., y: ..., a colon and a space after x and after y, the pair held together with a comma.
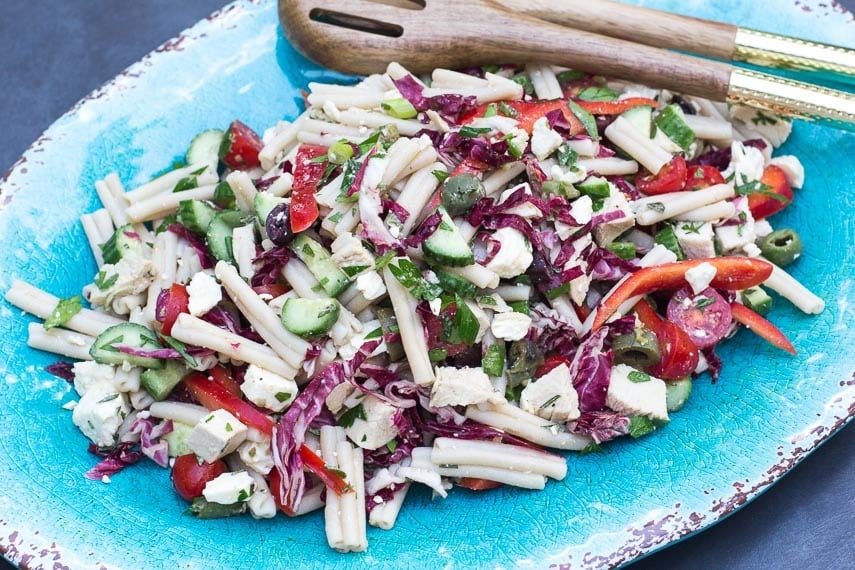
x: 177, y: 439
x: 125, y: 243
x: 204, y: 147
x: 160, y: 382
x: 641, y: 118
x: 757, y: 300
x: 676, y: 393
x: 263, y: 203
x: 320, y: 264
x: 195, y: 215
x: 310, y: 318
x: 104, y: 349
x: 447, y: 246
x: 672, y: 122
x: 218, y: 235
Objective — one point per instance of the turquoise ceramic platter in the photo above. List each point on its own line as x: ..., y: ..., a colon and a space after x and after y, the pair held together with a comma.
x: 733, y: 440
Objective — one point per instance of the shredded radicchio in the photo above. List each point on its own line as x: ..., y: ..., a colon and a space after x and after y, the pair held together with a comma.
x: 470, y: 429
x: 591, y: 370
x: 61, y: 369
x: 160, y: 353
x: 714, y: 362
x: 114, y: 459
x: 424, y: 231
x: 220, y: 317
x: 290, y: 433
x: 449, y: 106
x: 271, y: 263
x: 603, y: 265
x: 151, y: 444
x: 206, y: 260
x: 601, y: 426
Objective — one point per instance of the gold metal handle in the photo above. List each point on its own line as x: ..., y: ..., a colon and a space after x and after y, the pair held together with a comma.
x: 782, y: 52
x: 792, y: 98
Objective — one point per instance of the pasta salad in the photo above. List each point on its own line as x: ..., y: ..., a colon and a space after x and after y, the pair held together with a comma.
x: 446, y: 281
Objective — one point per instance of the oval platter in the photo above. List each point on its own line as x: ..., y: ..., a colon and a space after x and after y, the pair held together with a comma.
x: 732, y: 441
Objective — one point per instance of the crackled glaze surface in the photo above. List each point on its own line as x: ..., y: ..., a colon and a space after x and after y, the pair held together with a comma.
x: 732, y: 440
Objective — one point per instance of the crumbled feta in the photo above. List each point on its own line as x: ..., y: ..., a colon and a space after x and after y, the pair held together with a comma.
x: 606, y: 232
x: 132, y: 277
x: 544, y: 140
x: 734, y: 237
x: 700, y: 277
x: 636, y: 393
x: 257, y: 455
x: 510, y: 326
x: 514, y: 255
x: 204, y: 293
x: 762, y: 228
x: 746, y: 164
x: 216, y: 435
x: 229, y: 488
x: 582, y: 210
x: 89, y: 375
x: 754, y: 121
x: 696, y: 239
x: 376, y: 426
x: 268, y: 390
x: 371, y: 285
x: 69, y: 405
x: 243, y: 249
x: 552, y: 396
x: 571, y: 175
x: 349, y: 349
x: 348, y: 251
x: 461, y: 387
x: 106, y: 479
x: 99, y: 414
x: 793, y: 169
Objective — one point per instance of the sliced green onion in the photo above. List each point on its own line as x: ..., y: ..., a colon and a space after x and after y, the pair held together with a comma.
x: 399, y: 108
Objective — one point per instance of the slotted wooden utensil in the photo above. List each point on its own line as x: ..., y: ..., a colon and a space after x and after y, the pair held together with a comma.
x: 363, y: 36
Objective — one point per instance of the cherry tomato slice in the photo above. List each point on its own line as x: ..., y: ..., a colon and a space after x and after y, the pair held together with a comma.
x: 189, y: 475
x: 679, y: 354
x: 670, y: 178
x: 240, y: 147
x: 703, y: 176
x: 773, y: 199
x: 177, y: 301
x: 705, y: 317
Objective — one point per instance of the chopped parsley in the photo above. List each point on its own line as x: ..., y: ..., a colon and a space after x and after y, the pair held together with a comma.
x: 64, y: 310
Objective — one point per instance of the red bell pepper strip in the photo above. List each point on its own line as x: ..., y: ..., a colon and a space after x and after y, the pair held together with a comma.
x: 223, y: 377
x: 670, y: 178
x: 703, y: 176
x: 177, y: 301
x: 773, y: 199
x: 732, y: 273
x: 648, y: 317
x: 240, y: 147
x: 215, y: 397
x: 307, y: 174
x: 615, y: 107
x: 549, y: 363
x: 332, y: 478
x: 528, y: 112
x: 761, y: 327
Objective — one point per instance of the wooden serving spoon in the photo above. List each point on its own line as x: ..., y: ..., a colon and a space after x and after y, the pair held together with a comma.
x: 425, y: 34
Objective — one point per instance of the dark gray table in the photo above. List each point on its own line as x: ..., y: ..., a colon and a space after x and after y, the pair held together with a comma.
x: 55, y: 52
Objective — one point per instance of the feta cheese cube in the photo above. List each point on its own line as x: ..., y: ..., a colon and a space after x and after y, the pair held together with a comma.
x: 793, y: 169
x: 696, y: 239
x: 257, y: 455
x: 204, y: 293
x: 552, y: 396
x: 544, y: 140
x: 510, y: 325
x: 461, y: 387
x: 752, y: 122
x: 700, y: 277
x: 99, y: 414
x: 514, y: 255
x: 89, y: 375
x: 606, y: 232
x: 736, y: 236
x: 636, y: 393
x: 229, y: 488
x: 268, y: 390
x: 377, y: 428
x: 371, y: 285
x: 216, y: 435
x: 582, y: 210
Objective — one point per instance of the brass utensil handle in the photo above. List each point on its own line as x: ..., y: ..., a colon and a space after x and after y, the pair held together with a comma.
x: 792, y: 98
x: 783, y: 52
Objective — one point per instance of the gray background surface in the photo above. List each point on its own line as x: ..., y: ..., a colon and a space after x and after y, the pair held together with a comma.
x: 55, y: 52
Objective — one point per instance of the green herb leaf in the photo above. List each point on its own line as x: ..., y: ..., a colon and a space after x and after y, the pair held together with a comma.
x: 465, y: 326
x: 282, y: 396
x: 346, y: 419
x: 586, y: 118
x: 638, y: 377
x: 550, y: 402
x: 440, y: 175
x: 376, y: 333
x: 181, y: 348
x: 640, y: 426
x: 64, y: 310
x: 566, y: 155
x: 622, y: 249
x: 493, y: 361
x: 592, y: 447
x: 408, y: 275
x: 703, y: 302
x: 656, y: 207
x: 597, y: 94
x: 473, y: 132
